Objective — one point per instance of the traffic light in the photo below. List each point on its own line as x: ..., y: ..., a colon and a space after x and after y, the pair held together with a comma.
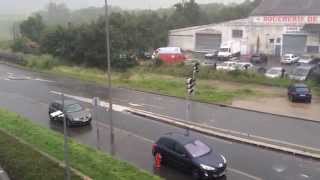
x: 196, y: 67
x: 190, y: 85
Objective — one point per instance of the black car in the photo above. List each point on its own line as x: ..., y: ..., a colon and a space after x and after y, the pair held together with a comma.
x: 76, y: 115
x: 299, y: 92
x: 191, y: 155
x: 259, y: 58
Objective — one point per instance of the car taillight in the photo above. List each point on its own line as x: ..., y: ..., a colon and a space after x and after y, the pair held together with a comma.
x: 154, y: 146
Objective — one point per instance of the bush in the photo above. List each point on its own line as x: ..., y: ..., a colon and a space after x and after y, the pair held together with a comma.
x: 43, y: 62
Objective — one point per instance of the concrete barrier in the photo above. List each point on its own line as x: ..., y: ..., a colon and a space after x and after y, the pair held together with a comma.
x: 233, y: 135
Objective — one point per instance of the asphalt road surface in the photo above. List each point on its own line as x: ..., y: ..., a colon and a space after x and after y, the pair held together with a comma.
x: 29, y: 95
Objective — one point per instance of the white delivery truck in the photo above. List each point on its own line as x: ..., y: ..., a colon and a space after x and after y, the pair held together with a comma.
x: 229, y: 49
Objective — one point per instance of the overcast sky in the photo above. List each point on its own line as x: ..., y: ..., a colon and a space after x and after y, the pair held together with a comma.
x: 27, y: 6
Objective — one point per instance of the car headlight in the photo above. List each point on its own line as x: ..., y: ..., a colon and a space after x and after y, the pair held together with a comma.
x: 208, y: 168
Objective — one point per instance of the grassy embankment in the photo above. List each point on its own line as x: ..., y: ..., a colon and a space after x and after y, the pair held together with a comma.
x: 22, y: 162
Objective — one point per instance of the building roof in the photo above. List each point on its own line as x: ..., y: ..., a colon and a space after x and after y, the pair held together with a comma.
x: 287, y: 7
x: 236, y: 22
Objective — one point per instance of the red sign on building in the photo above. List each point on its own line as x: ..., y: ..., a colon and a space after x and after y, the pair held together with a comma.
x: 287, y: 19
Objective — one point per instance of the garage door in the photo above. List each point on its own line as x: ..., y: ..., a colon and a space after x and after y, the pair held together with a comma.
x: 207, y: 42
x: 183, y: 41
x: 294, y: 44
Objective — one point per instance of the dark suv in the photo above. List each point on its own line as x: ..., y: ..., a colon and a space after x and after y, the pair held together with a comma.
x: 76, y: 115
x: 299, y: 92
x: 191, y: 155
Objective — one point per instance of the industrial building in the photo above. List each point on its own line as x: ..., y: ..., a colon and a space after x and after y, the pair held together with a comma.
x: 275, y: 27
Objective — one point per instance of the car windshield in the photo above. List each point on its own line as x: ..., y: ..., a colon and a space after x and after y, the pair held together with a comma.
x: 73, y: 108
x: 197, y: 148
x: 300, y: 72
x: 302, y: 89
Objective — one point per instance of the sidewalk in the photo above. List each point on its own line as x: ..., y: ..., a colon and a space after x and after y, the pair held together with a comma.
x: 282, y: 106
x: 3, y: 175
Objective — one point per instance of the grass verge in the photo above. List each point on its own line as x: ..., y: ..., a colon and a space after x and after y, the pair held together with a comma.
x: 23, y: 162
x: 157, y: 83
x: 92, y: 163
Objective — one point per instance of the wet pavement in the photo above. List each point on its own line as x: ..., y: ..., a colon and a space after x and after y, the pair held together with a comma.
x: 282, y: 106
x: 134, y: 135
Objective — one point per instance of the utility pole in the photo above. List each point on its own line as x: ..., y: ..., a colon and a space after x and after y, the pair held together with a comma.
x: 66, y: 150
x: 109, y: 76
x: 191, y: 83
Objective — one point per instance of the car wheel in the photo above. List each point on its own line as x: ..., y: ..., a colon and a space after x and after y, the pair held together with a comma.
x: 196, y: 174
x: 309, y: 101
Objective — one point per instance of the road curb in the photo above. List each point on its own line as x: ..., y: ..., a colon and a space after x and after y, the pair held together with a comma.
x: 302, y: 151
x: 224, y: 105
x: 60, y: 163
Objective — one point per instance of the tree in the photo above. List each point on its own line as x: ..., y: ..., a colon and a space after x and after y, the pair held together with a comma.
x: 32, y: 28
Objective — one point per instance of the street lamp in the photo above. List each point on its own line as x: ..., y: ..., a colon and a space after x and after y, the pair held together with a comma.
x: 109, y: 75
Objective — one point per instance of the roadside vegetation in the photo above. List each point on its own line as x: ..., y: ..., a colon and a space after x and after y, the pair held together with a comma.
x: 90, y: 162
x: 22, y: 162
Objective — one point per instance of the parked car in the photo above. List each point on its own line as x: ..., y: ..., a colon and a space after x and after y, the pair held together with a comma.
x: 227, y: 66
x: 315, y: 73
x: 289, y: 59
x: 211, y: 55
x: 301, y: 73
x: 191, y: 155
x: 75, y: 114
x: 306, y: 59
x: 299, y: 92
x: 147, y: 55
x: 242, y: 66
x: 208, y: 63
x: 259, y: 58
x: 274, y: 72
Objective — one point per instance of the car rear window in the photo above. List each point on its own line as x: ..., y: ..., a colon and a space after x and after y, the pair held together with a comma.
x: 197, y: 148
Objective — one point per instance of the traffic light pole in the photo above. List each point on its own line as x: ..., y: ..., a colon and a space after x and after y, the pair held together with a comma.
x: 66, y: 150
x: 191, y: 83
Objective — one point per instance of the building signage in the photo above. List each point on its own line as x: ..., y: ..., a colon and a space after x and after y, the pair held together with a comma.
x: 287, y: 19
x: 292, y: 29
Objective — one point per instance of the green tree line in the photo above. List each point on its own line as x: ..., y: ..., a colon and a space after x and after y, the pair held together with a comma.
x: 79, y: 36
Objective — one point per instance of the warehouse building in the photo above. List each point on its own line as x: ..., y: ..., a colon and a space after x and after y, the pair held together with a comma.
x: 275, y: 27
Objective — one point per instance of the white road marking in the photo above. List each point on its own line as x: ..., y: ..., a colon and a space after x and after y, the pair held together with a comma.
x: 244, y: 174
x: 135, y: 105
x: 304, y: 176
x: 1, y: 171
x: 43, y: 80
x: 104, y: 104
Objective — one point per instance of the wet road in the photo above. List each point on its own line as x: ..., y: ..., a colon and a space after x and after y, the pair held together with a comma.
x: 135, y: 135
